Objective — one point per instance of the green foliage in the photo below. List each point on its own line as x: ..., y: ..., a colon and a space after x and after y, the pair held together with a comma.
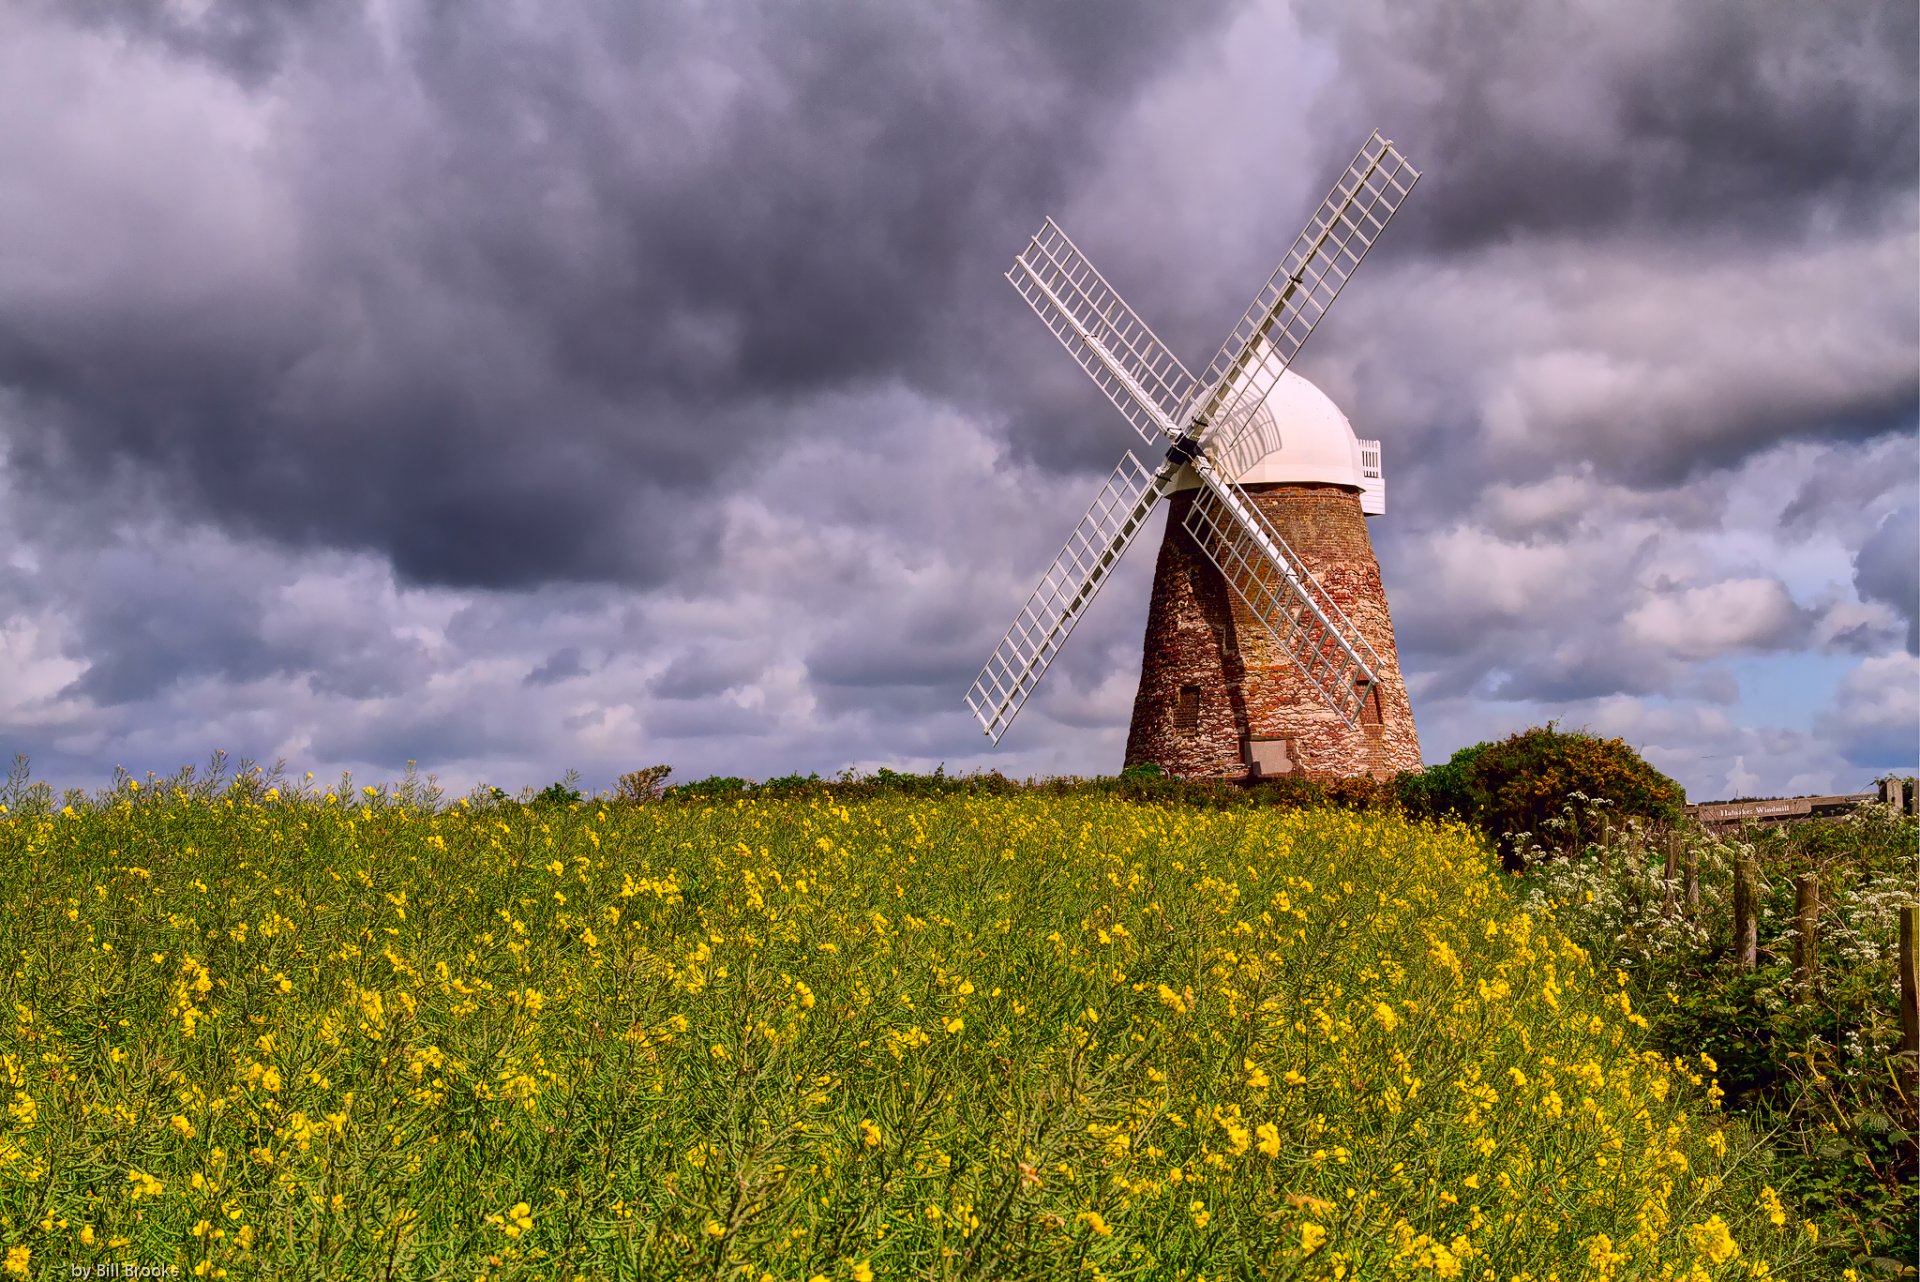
x: 1817, y: 1070
x: 556, y: 794
x: 712, y: 788
x: 1146, y: 784
x: 1441, y: 791
x: 1516, y: 789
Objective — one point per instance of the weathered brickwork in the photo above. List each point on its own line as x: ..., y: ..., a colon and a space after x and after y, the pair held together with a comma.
x: 1252, y: 700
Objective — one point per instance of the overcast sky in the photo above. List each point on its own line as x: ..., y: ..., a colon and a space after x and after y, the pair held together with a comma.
x: 512, y: 388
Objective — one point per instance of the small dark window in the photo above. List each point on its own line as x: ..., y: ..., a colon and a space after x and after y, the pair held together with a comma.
x: 1369, y: 705
x: 1186, y: 712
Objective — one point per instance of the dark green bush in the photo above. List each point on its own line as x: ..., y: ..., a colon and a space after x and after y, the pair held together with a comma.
x: 556, y: 794
x: 712, y: 788
x: 1522, y: 784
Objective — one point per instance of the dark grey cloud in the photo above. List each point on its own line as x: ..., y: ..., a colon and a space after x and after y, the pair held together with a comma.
x: 142, y: 632
x: 597, y: 385
x: 390, y: 734
x: 548, y: 282
x: 1887, y: 567
x: 1836, y: 491
x: 153, y: 614
x: 1874, y: 722
x: 708, y: 670
x: 557, y: 667
x: 248, y: 41
x: 1613, y: 120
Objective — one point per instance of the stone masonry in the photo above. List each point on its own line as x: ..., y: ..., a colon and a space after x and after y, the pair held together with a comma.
x: 1219, y: 699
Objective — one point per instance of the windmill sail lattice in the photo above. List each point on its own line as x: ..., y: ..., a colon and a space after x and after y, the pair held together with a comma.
x: 1295, y: 609
x: 1282, y: 316
x: 1046, y: 621
x: 1205, y: 420
x: 1145, y: 381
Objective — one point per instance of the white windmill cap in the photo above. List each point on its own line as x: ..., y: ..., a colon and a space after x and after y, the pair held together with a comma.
x: 1298, y: 434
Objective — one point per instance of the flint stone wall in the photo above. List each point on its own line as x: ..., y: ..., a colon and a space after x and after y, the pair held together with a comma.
x: 1253, y: 701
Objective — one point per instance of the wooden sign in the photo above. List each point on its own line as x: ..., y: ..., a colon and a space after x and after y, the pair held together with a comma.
x: 1721, y: 812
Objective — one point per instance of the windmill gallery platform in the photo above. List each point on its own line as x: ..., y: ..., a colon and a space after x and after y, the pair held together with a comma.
x: 1218, y: 698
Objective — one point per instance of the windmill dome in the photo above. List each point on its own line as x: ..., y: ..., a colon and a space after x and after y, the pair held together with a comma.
x: 1299, y: 435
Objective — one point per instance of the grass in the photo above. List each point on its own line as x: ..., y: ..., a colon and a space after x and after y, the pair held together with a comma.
x: 295, y: 1032
x: 1815, y: 1072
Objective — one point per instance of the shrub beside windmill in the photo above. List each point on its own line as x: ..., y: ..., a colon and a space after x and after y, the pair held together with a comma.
x: 1269, y: 647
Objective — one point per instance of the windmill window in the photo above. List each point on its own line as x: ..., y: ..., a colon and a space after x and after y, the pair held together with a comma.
x: 1186, y: 710
x: 1369, y: 704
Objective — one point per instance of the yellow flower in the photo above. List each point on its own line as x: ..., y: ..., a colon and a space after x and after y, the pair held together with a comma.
x: 863, y: 1272
x: 1712, y: 1240
x: 955, y: 1024
x: 1269, y: 1139
x: 1256, y: 1077
x: 1383, y: 1015
x: 870, y: 1132
x: 514, y: 1222
x: 87, y: 1237
x: 1770, y: 1202
x: 1096, y: 1223
x: 182, y: 1125
x: 1201, y: 1215
x: 1311, y: 1236
x: 17, y: 1258
x: 1294, y: 1079
x: 713, y: 1229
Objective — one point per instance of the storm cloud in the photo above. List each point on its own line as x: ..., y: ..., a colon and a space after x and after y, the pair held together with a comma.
x: 513, y: 388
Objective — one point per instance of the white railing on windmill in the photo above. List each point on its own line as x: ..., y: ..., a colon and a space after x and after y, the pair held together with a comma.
x: 1213, y: 430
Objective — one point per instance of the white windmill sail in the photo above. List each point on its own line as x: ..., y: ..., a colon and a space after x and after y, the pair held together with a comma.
x: 1046, y: 621
x: 1260, y: 347
x: 1294, y: 607
x: 1216, y: 424
x: 1145, y: 381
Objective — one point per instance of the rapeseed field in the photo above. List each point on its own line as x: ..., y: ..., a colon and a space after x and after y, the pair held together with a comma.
x: 321, y: 1034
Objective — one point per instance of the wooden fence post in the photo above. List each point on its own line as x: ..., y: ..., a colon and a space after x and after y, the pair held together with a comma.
x: 1693, y: 879
x: 1746, y: 917
x: 1806, y: 897
x: 1909, y: 982
x: 1672, y: 871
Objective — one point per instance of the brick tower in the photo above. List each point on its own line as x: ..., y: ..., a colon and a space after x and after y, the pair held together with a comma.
x: 1218, y: 698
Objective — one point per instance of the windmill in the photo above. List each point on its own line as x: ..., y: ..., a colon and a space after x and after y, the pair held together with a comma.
x: 1251, y: 664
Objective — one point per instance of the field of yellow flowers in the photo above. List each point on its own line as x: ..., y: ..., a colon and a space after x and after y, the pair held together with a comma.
x: 328, y: 1035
